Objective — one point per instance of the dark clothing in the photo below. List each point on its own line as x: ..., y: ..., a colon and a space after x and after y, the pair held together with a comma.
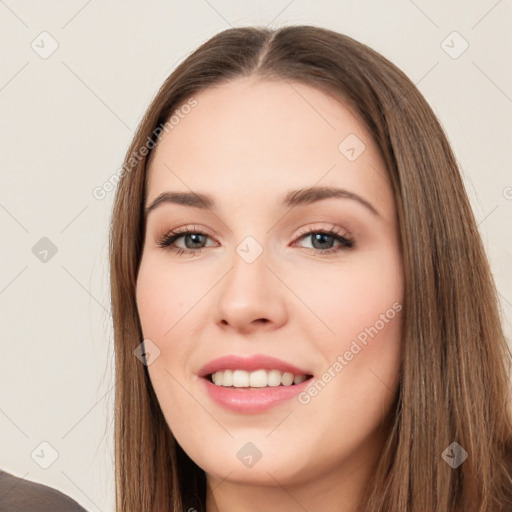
x: 19, y: 495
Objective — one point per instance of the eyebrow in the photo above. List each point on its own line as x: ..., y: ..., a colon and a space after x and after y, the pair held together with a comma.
x: 291, y: 199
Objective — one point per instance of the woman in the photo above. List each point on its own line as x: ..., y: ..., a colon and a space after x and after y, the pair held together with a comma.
x: 365, y: 371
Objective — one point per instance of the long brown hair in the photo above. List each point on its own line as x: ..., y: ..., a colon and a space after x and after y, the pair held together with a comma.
x: 454, y: 378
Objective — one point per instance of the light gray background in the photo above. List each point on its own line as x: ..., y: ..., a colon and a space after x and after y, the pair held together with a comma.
x: 66, y: 122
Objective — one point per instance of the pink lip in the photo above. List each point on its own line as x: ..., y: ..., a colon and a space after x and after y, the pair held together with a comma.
x: 245, y: 400
x: 255, y: 362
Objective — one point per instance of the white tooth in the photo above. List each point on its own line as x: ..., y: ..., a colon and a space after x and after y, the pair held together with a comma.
x: 287, y: 379
x: 274, y: 378
x: 240, y: 379
x: 258, y: 379
x: 217, y: 378
x: 227, y: 378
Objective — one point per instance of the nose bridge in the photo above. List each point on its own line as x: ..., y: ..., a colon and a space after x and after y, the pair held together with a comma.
x: 250, y: 291
x: 249, y: 266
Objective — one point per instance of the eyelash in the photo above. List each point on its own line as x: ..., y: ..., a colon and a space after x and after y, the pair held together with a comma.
x: 169, y: 238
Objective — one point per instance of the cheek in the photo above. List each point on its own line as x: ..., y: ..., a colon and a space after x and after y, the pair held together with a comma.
x: 360, y: 312
x: 359, y: 381
x: 168, y: 302
x: 162, y: 314
x: 347, y: 299
x: 163, y: 297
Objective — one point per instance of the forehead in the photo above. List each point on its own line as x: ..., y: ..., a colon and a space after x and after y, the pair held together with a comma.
x: 254, y: 139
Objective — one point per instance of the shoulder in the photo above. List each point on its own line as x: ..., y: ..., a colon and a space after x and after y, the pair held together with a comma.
x: 20, y: 495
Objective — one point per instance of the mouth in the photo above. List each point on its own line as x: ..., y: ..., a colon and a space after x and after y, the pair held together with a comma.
x: 257, y: 379
x: 244, y: 398
x: 252, y: 384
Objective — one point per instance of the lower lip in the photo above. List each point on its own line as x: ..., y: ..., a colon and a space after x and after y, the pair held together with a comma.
x: 252, y: 400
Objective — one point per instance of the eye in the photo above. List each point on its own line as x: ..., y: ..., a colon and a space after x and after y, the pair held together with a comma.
x: 189, y: 234
x: 321, y: 240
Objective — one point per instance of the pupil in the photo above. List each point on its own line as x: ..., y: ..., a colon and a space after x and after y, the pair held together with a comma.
x: 319, y: 236
x: 193, y: 236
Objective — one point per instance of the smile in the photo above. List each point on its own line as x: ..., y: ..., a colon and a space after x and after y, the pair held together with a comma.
x: 256, y: 379
x: 246, y: 399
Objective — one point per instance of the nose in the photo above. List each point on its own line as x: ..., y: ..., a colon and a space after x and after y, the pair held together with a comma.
x: 251, y: 296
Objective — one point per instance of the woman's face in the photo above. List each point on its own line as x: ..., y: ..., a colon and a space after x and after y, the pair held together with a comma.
x: 266, y: 277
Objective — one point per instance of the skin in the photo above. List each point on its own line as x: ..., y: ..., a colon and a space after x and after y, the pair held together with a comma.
x: 247, y: 143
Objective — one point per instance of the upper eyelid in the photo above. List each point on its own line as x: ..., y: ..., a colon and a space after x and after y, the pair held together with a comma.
x: 304, y: 230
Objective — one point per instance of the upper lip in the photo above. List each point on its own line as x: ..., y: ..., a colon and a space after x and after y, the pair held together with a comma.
x: 254, y: 362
